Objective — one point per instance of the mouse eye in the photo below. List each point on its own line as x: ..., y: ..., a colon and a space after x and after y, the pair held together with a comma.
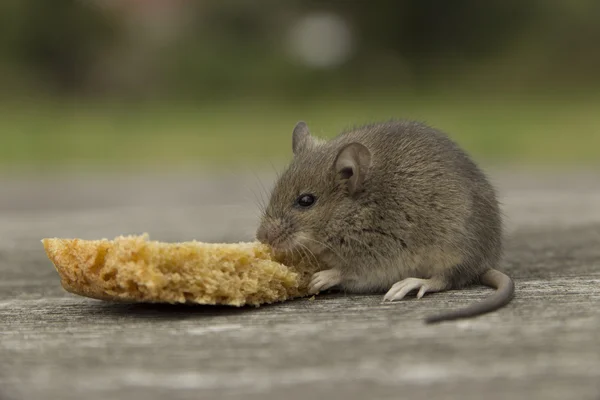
x: 305, y: 200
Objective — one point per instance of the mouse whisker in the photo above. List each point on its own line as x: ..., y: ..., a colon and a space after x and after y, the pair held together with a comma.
x: 256, y: 200
x: 277, y: 172
x: 264, y: 192
x: 312, y: 254
x: 299, y: 253
x: 326, y: 246
x: 303, y: 255
x: 308, y: 252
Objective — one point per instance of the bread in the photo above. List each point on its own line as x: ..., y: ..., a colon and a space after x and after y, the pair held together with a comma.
x: 133, y: 268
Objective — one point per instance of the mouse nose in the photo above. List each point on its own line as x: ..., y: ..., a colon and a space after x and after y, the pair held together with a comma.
x: 269, y: 232
x: 262, y: 234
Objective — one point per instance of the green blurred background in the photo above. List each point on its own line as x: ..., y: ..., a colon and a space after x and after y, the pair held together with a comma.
x: 166, y: 84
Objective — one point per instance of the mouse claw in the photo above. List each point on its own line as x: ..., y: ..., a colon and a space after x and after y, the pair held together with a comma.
x: 324, y: 280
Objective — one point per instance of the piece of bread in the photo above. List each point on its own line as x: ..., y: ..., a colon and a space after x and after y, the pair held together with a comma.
x: 133, y: 268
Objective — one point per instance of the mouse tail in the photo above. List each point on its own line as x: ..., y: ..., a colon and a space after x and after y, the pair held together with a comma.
x: 505, y: 289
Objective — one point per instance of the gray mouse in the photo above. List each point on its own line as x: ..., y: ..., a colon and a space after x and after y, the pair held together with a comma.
x: 390, y: 207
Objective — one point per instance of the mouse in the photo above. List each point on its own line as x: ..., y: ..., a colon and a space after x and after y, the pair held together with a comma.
x: 393, y: 207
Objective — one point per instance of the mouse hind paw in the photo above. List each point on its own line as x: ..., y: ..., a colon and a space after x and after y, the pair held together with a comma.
x: 405, y: 286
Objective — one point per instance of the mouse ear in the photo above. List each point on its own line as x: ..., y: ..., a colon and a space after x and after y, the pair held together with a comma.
x: 352, y: 165
x: 300, y: 137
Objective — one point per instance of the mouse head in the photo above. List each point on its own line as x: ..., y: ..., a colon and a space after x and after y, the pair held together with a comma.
x: 318, y: 188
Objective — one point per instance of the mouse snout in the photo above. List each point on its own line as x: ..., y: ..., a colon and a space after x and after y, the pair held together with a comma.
x: 262, y: 234
x: 271, y: 232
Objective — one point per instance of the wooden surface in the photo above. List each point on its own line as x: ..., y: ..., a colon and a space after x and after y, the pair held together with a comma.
x: 53, y: 345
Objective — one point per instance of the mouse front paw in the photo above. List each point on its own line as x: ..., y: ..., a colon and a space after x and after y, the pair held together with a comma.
x: 324, y: 280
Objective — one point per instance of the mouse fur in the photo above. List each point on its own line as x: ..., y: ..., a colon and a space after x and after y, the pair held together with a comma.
x: 398, y: 207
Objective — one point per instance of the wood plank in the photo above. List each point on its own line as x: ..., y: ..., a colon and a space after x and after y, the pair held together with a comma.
x: 544, y: 345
